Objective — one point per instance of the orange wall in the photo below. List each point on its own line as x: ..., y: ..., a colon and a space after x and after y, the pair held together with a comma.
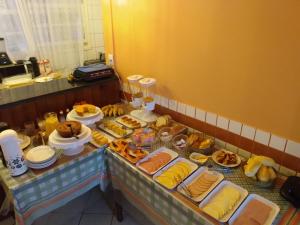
x: 239, y: 59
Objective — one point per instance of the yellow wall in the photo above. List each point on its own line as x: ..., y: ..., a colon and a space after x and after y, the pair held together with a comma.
x: 239, y: 59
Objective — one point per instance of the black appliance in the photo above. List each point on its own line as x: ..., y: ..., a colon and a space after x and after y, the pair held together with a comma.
x: 290, y: 190
x: 4, y: 59
x: 92, y: 72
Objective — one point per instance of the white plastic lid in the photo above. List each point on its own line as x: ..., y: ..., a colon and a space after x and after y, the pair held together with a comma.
x: 8, y: 135
x: 147, y: 82
x: 134, y: 78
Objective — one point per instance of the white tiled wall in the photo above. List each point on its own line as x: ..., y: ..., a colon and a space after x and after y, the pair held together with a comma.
x: 93, y: 29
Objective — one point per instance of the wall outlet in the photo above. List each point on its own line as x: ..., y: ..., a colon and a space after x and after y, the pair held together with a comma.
x: 110, y: 59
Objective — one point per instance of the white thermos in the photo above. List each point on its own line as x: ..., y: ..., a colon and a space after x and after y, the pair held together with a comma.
x: 12, y: 152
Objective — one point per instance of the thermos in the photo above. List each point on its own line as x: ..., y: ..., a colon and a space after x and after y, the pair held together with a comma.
x: 35, y: 66
x: 12, y: 152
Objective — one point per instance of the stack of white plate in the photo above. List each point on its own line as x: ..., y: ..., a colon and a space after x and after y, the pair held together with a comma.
x: 40, y: 157
x: 72, y: 145
x: 88, y: 118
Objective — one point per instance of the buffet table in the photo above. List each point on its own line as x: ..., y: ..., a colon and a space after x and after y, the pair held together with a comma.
x: 165, y: 207
x: 38, y: 192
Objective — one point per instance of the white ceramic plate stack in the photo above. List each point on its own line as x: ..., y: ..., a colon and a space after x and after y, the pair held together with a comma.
x: 40, y: 157
x: 88, y: 118
x: 72, y: 145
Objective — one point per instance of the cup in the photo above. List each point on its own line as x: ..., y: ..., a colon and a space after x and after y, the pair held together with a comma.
x: 51, y: 121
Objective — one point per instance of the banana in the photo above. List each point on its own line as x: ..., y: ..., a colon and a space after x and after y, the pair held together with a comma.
x: 120, y: 111
x: 111, y: 111
x: 115, y: 109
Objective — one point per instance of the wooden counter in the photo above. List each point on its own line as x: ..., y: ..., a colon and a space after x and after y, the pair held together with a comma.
x: 18, y: 105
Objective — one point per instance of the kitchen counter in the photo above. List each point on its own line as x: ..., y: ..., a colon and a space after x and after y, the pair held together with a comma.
x: 10, y: 96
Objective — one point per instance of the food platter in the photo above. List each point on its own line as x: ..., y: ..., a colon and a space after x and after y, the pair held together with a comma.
x: 184, y: 187
x: 175, y: 182
x: 87, y: 115
x: 131, y: 122
x: 274, y: 209
x: 173, y: 155
x: 127, y: 131
x: 243, y: 194
x: 225, y: 153
x: 93, y: 142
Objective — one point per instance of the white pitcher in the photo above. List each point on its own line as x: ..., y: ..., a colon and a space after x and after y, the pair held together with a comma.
x: 12, y: 152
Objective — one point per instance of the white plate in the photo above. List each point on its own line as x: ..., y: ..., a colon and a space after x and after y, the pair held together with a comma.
x: 40, y: 154
x: 119, y: 120
x: 193, y: 177
x: 110, y: 139
x: 128, y: 131
x: 24, y: 141
x: 275, y: 209
x: 86, y: 115
x: 180, y: 159
x: 212, y: 194
x: 41, y: 166
x: 173, y: 155
x: 83, y: 132
x: 214, y: 158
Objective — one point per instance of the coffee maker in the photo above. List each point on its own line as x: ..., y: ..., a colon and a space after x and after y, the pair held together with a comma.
x: 4, y: 59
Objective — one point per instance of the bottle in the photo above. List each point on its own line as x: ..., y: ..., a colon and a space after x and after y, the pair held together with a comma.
x: 61, y: 116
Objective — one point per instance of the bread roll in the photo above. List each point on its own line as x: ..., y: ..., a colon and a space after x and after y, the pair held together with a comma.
x: 272, y: 173
x: 263, y: 174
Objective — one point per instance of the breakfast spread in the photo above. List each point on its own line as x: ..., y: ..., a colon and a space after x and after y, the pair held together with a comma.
x: 69, y: 129
x: 223, y: 202
x: 114, y: 128
x: 157, y: 161
x: 201, y: 184
x: 113, y: 110
x: 130, y: 122
x: 84, y: 108
x: 143, y: 136
x: 255, y: 213
x: 99, y: 138
x: 174, y: 175
x: 124, y: 149
x: 260, y: 168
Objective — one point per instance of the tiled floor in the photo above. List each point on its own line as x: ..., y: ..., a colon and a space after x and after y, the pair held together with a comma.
x: 88, y: 209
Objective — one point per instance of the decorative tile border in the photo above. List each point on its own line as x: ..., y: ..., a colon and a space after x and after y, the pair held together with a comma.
x: 233, y: 133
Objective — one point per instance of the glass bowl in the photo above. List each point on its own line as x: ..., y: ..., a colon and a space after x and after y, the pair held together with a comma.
x: 179, y: 142
x: 165, y: 134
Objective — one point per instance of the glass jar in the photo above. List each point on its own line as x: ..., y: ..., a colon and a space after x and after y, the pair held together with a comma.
x: 51, y: 121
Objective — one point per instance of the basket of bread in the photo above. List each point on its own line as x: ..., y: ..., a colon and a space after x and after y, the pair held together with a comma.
x: 166, y: 121
x: 198, y: 143
x: 261, y: 171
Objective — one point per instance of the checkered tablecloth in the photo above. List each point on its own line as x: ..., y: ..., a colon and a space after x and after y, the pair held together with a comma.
x: 165, y: 207
x: 35, y: 195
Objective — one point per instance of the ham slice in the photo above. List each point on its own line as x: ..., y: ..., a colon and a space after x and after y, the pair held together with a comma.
x: 156, y: 162
x: 255, y: 213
